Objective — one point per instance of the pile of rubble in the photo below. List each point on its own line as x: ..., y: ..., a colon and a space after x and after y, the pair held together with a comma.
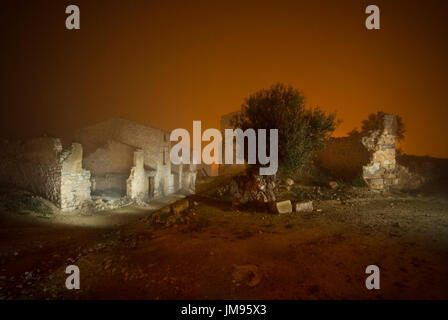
x: 260, y: 192
x: 253, y: 188
x: 102, y: 204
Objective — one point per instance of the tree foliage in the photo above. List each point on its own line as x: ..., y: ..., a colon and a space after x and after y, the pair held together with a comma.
x: 301, y: 130
x: 374, y: 122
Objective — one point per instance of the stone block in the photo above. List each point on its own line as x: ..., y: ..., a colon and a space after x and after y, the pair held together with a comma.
x: 304, y: 206
x: 333, y: 185
x: 281, y: 207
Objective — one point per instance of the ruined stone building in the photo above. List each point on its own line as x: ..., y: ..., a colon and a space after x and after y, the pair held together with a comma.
x: 130, y: 159
x: 371, y: 157
x: 109, y: 160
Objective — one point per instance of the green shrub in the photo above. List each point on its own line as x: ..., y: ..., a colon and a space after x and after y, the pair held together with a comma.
x: 301, y: 130
x: 341, y: 185
x: 297, y: 191
x: 359, y: 183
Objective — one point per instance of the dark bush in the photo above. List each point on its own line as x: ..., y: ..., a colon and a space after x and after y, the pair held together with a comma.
x: 301, y: 130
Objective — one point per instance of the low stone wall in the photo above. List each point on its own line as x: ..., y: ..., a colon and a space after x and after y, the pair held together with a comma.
x: 343, y: 158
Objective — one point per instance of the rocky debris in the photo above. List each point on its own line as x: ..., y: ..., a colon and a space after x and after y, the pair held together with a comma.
x: 317, y: 193
x: 333, y: 185
x: 408, y: 179
x: 166, y: 209
x: 222, y: 190
x: 246, y: 274
x: 280, y: 207
x: 289, y: 182
x: 175, y: 214
x: 180, y: 206
x: 101, y: 204
x: 252, y: 188
x: 303, y: 206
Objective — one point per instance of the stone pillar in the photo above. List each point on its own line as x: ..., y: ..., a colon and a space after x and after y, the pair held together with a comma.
x: 137, y: 183
x: 380, y: 173
x: 75, y: 181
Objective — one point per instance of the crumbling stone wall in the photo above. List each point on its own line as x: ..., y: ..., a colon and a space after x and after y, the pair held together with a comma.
x: 381, y: 173
x: 185, y: 177
x: 124, y: 156
x: 110, y: 166
x: 371, y: 157
x: 137, y: 183
x: 32, y: 165
x: 153, y: 142
x: 343, y: 158
x: 188, y: 181
x: 41, y: 166
x: 75, y: 181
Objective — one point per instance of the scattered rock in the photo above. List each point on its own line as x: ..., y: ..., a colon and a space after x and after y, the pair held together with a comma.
x: 165, y: 209
x: 333, y: 185
x: 248, y: 274
x: 289, y: 182
x: 304, y: 206
x: 252, y: 188
x: 180, y: 206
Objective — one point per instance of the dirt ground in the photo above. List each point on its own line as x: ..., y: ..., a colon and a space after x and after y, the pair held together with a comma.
x: 217, y: 252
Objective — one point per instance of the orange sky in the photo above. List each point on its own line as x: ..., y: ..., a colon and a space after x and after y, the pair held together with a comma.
x: 167, y: 63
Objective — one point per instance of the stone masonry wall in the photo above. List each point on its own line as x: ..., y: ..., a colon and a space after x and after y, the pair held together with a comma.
x: 188, y: 181
x: 32, y: 165
x: 153, y: 141
x: 380, y: 173
x: 75, y: 181
x: 41, y: 166
x: 343, y: 158
x: 137, y: 183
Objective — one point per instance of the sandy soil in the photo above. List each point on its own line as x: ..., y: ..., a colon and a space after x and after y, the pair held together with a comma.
x: 218, y: 252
